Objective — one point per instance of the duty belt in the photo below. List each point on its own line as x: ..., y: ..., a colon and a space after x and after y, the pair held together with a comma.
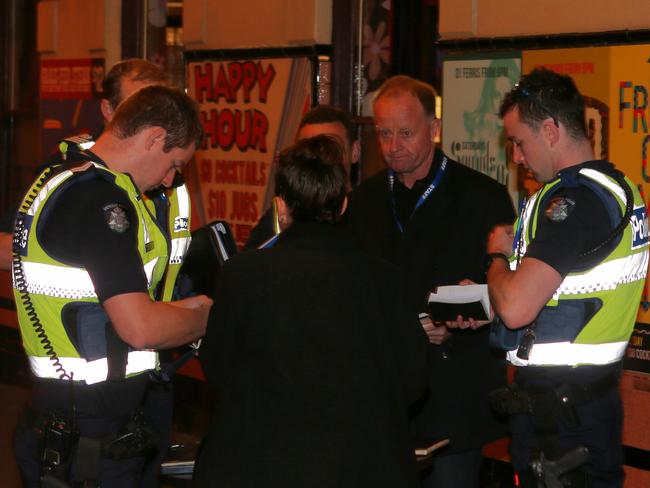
x: 517, y: 398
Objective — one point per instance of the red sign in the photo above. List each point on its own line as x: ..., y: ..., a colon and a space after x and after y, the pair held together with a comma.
x: 79, y: 79
x: 250, y: 110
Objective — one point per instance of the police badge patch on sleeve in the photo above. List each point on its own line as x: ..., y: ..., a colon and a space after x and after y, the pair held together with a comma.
x: 559, y: 208
x: 116, y: 218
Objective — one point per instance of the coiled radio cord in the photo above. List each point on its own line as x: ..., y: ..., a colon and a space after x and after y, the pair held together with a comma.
x: 20, y: 282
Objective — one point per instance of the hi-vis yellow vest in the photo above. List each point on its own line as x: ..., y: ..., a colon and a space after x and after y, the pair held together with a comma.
x: 616, y: 282
x: 44, y: 286
x: 178, y: 217
x: 178, y: 229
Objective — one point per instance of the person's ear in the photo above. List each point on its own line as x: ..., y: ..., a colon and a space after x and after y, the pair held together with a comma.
x: 344, y: 205
x: 155, y: 137
x: 284, y: 215
x: 355, y: 152
x: 551, y: 132
x: 107, y: 110
x: 435, y: 128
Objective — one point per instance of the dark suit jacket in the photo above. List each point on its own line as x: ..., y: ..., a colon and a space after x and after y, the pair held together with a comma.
x: 443, y: 243
x: 316, y: 359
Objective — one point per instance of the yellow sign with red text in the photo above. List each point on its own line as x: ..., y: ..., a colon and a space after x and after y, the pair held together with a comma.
x: 243, y: 107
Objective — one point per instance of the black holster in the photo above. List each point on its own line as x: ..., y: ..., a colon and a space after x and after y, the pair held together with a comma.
x: 551, y: 467
x: 136, y: 440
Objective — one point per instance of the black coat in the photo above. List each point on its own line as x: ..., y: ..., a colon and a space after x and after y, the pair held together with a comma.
x: 443, y: 243
x: 316, y: 359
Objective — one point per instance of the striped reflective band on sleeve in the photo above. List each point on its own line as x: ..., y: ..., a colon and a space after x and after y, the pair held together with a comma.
x: 65, y: 282
x: 606, y: 276
x: 179, y: 249
x: 92, y: 371
x: 570, y: 354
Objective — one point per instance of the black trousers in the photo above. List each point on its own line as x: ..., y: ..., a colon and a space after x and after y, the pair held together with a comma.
x: 158, y: 412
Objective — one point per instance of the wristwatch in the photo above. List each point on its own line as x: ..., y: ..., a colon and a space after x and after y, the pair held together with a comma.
x: 489, y: 257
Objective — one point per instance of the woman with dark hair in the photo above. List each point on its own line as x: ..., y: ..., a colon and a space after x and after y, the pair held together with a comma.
x: 308, y: 347
x: 311, y: 182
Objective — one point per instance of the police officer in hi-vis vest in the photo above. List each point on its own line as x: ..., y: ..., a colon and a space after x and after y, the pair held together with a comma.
x: 89, y: 259
x: 169, y: 205
x: 565, y: 282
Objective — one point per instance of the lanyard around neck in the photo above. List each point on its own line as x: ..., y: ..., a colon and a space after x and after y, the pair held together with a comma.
x: 432, y: 186
x: 518, y: 242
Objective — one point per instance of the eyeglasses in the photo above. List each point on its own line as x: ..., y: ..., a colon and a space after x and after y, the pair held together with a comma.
x: 535, y: 100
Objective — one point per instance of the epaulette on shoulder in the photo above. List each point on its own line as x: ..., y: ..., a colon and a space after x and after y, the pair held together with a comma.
x: 74, y: 145
x: 83, y: 140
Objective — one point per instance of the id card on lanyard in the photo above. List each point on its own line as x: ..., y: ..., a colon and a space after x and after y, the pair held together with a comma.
x: 436, y: 181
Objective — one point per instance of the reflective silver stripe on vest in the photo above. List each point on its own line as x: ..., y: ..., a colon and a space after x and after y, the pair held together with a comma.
x: 51, y: 183
x: 181, y: 244
x: 183, y: 198
x: 91, y: 371
x: 64, y: 282
x: 86, y: 145
x: 148, y: 270
x: 600, y: 178
x: 57, y: 281
x: 179, y: 249
x: 570, y: 354
x: 605, y: 276
x: 145, y: 231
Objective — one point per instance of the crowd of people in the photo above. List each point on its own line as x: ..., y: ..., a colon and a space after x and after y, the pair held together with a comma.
x: 330, y: 367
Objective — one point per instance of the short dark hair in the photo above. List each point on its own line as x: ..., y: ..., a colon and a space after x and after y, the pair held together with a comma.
x: 159, y: 106
x: 544, y: 93
x: 135, y: 69
x: 311, y: 179
x: 327, y: 114
x: 424, y: 92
